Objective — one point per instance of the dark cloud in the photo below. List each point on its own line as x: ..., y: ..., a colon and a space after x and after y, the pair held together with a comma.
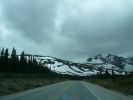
x: 68, y: 29
x: 108, y: 30
x: 33, y: 18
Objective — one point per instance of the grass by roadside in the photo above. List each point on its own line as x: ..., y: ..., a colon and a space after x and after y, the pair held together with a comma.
x: 123, y: 84
x: 13, y: 82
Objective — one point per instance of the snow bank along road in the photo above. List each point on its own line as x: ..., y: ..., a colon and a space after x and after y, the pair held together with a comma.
x: 68, y: 90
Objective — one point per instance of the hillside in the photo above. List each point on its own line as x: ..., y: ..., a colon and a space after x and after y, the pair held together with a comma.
x: 111, y: 63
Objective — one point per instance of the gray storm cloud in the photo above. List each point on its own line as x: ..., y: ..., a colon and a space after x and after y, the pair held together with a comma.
x: 68, y: 28
x: 33, y: 18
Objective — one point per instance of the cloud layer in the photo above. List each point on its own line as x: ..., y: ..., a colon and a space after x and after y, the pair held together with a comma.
x: 68, y: 29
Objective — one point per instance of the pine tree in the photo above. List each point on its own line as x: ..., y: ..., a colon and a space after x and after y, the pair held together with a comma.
x: 23, y: 62
x: 2, y: 60
x: 113, y: 72
x: 6, y: 61
x: 107, y: 74
x: 14, y: 60
x: 100, y: 70
x: 2, y: 53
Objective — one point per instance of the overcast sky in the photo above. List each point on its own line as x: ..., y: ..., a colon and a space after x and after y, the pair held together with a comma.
x: 68, y: 29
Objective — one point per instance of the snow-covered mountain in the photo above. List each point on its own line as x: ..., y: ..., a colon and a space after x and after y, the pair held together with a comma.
x: 66, y: 67
x: 110, y: 63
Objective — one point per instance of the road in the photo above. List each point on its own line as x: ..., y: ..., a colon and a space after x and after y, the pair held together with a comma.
x: 68, y: 90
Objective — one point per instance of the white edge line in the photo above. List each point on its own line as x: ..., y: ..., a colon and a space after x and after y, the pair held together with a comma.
x: 98, y: 97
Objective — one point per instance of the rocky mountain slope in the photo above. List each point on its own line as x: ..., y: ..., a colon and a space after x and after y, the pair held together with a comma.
x: 98, y: 64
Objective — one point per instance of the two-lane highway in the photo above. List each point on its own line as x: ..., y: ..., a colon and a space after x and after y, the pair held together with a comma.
x: 68, y: 90
x: 76, y: 91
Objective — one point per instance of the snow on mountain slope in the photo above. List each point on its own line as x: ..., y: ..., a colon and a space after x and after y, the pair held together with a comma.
x: 64, y: 67
x: 112, y: 62
x: 99, y: 63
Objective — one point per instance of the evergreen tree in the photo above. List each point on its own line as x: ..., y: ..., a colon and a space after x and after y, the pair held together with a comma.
x: 100, y: 70
x: 14, y: 60
x: 2, y: 53
x: 2, y: 60
x: 13, y: 54
x: 113, y: 72
x: 22, y: 58
x: 107, y: 74
x: 6, y: 61
x: 23, y: 63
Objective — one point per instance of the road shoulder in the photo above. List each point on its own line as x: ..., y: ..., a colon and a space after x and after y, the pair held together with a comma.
x: 105, y: 94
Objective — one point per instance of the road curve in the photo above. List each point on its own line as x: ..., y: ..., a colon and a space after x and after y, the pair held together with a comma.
x: 68, y: 90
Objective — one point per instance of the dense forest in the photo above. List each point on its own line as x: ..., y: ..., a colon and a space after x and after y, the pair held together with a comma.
x: 20, y: 63
x: 14, y: 63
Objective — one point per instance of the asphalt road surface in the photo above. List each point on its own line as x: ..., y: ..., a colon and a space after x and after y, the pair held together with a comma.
x: 68, y: 90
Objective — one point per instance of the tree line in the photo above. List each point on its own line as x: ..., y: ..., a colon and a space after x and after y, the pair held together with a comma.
x: 20, y: 63
x: 23, y: 63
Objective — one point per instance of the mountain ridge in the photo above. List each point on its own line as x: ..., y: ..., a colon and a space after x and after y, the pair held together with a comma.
x: 98, y: 64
